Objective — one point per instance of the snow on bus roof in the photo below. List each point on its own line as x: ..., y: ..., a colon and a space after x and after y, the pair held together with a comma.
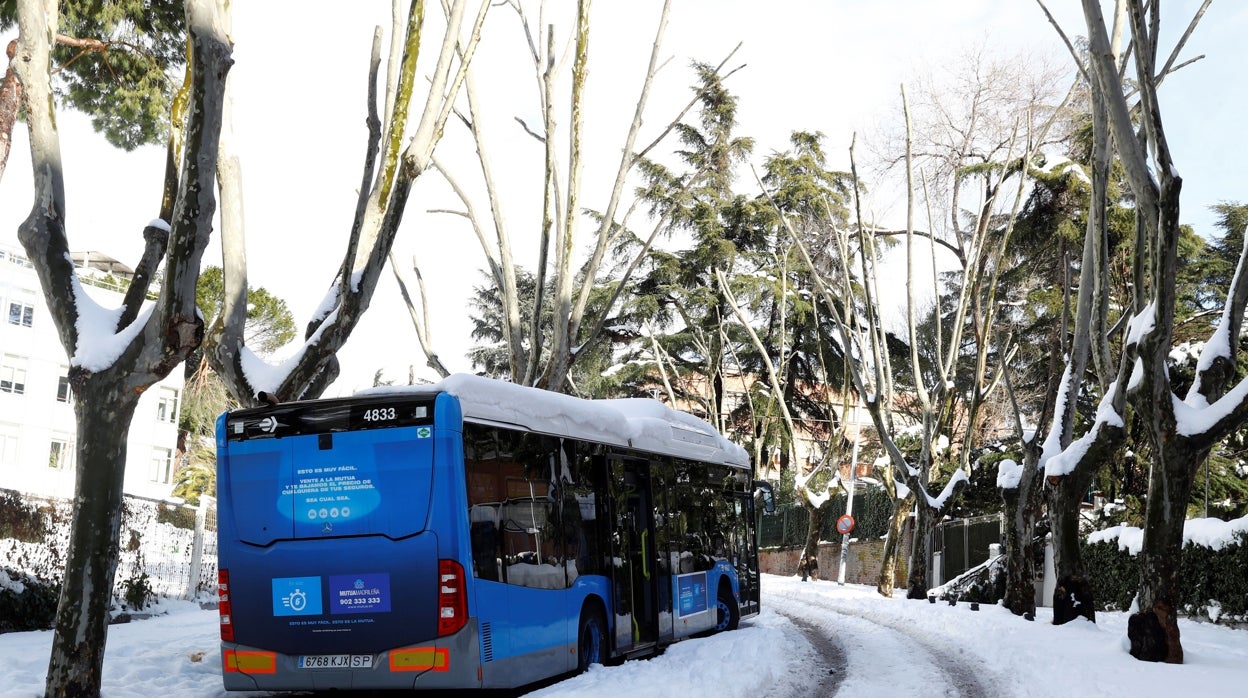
x: 640, y: 423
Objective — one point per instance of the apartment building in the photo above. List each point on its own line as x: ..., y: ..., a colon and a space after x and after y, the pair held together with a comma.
x: 37, y: 432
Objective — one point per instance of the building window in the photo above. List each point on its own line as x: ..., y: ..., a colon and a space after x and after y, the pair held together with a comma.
x: 60, y: 454
x: 162, y: 465
x: 15, y: 258
x: 21, y: 313
x: 167, y: 409
x: 13, y: 375
x: 8, y: 443
x: 63, y: 392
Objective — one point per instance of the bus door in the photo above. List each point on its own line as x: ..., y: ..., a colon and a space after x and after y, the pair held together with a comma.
x: 634, y: 572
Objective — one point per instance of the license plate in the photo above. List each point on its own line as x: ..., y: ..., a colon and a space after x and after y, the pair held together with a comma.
x: 335, y: 661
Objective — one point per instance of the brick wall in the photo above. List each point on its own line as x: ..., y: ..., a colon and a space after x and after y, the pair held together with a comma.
x: 862, y: 565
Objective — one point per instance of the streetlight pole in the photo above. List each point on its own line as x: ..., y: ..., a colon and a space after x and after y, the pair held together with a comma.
x: 849, y: 500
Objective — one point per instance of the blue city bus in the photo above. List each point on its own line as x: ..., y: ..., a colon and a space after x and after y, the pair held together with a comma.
x: 473, y: 534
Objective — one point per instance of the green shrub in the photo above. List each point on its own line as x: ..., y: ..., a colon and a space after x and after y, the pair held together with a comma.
x: 1115, y: 575
x: 181, y: 517
x: 1209, y: 578
x: 1215, y: 577
x: 138, y: 592
x: 20, y: 520
x: 34, y: 608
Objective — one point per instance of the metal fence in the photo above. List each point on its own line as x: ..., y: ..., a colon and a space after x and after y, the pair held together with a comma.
x: 788, y: 526
x: 167, y: 549
x: 958, y: 545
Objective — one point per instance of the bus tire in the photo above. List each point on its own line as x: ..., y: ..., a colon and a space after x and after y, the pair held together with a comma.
x: 591, y: 639
x: 728, y: 614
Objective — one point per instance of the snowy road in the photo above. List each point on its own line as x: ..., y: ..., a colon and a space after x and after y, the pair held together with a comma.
x: 873, y: 651
x: 829, y: 661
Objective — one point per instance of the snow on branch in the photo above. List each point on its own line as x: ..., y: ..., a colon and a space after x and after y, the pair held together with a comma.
x: 951, y: 487
x: 1219, y: 344
x: 903, y: 490
x: 1065, y: 462
x: 1142, y: 323
x: 1053, y: 440
x: 1217, y: 347
x: 264, y: 377
x: 100, y: 343
x: 1198, y: 421
x: 1009, y: 474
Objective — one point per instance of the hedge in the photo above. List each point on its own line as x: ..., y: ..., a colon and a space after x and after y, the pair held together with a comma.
x: 1214, y: 583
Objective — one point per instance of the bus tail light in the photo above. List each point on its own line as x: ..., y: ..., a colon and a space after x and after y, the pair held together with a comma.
x: 249, y: 662
x: 223, y: 605
x: 452, y: 598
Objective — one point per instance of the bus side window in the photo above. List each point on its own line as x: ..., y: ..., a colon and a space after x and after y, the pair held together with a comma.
x: 484, y: 533
x: 584, y: 523
x: 534, y: 540
x: 483, y: 472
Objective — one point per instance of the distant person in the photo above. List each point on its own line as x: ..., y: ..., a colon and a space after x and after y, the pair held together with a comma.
x: 802, y: 568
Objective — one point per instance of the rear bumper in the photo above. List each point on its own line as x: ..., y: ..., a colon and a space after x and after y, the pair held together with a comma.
x: 448, y: 662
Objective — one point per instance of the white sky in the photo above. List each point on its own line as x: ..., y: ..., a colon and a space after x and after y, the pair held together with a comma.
x: 832, y: 66
x: 892, y: 646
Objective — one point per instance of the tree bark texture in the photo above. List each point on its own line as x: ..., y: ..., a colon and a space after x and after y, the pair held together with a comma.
x: 1157, y: 190
x: 816, y: 519
x: 892, y: 546
x: 916, y: 580
x: 10, y: 100
x: 378, y: 215
x: 1169, y: 487
x: 1021, y: 509
x: 82, y: 614
x: 1072, y: 597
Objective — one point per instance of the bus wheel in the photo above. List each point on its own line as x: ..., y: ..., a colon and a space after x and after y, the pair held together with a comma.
x: 729, y: 614
x: 591, y: 643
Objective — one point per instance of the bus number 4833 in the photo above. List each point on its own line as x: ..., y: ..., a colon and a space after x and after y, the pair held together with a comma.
x: 380, y: 414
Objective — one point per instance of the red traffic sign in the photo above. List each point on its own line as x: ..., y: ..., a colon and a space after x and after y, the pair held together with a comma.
x: 845, y: 524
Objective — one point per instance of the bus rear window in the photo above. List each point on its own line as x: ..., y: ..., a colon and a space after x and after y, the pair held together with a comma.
x: 315, y: 485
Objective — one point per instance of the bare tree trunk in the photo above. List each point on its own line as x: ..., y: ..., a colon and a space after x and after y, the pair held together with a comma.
x: 1021, y: 510
x: 103, y: 414
x: 920, y: 549
x: 389, y: 172
x: 1072, y: 597
x: 10, y: 100
x: 892, y: 546
x: 1177, y: 448
x: 816, y: 517
x: 1154, y: 629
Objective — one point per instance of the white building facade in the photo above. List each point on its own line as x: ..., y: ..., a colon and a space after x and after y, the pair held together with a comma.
x: 38, y: 439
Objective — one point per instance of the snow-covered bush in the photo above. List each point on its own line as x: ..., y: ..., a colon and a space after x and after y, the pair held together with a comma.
x: 26, y: 603
x: 1214, y: 569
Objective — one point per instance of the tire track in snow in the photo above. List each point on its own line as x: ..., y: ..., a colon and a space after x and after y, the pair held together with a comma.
x: 897, y: 658
x: 830, y: 663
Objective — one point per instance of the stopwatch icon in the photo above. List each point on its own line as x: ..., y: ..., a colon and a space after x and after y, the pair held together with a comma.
x: 298, y: 600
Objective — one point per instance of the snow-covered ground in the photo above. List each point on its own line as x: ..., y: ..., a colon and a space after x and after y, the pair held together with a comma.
x: 893, y: 646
